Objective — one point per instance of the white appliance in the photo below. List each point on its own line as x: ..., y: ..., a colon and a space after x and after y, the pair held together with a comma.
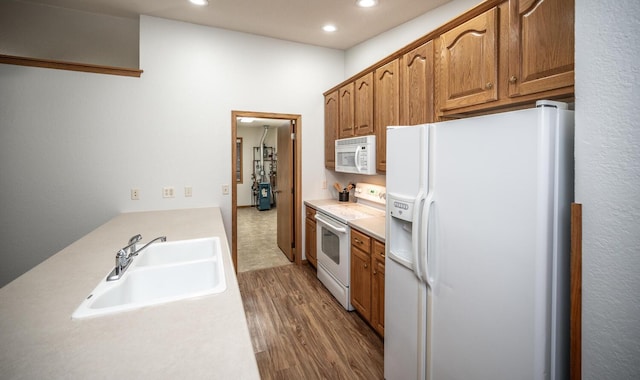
x: 333, y: 237
x: 356, y: 155
x: 477, y: 247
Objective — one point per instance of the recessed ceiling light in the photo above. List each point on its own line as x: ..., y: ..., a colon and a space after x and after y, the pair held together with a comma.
x: 329, y: 28
x: 246, y: 120
x: 367, y: 3
x: 199, y: 2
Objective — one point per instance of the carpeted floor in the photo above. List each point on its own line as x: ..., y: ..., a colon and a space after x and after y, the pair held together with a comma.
x: 257, y: 244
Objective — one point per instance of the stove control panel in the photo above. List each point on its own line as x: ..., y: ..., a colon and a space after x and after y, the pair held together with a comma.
x: 371, y: 192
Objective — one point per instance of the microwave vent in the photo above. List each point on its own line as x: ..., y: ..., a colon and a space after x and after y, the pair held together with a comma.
x: 352, y: 141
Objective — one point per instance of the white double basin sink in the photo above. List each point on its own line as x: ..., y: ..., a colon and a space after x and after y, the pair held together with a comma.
x: 161, y: 273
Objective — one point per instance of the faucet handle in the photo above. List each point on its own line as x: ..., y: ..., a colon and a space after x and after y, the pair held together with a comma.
x: 121, y: 260
x: 135, y: 239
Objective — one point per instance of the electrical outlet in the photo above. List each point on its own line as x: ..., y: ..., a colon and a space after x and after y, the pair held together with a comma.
x: 188, y: 191
x: 168, y: 192
x: 225, y: 189
x: 135, y: 194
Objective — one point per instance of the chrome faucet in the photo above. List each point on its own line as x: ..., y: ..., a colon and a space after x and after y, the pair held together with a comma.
x: 125, y: 256
x: 132, y: 243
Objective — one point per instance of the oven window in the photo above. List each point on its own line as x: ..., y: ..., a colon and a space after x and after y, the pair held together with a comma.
x: 331, y: 245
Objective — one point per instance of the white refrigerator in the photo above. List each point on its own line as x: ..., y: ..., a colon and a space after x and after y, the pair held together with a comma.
x: 477, y: 247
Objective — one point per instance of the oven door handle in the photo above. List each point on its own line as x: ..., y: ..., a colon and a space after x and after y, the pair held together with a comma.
x: 330, y: 225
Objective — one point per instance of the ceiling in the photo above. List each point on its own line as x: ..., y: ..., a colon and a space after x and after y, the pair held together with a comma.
x: 261, y: 123
x: 293, y: 20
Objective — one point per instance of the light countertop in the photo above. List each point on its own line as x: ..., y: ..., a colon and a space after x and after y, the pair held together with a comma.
x: 374, y: 226
x: 205, y: 337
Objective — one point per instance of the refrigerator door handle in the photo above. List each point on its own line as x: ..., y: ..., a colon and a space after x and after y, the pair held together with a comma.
x: 416, y: 233
x: 424, y: 241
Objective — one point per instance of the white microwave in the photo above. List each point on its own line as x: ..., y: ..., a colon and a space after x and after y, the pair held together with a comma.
x: 356, y: 155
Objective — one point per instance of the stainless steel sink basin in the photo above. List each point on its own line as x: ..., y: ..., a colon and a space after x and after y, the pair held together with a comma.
x: 164, y: 272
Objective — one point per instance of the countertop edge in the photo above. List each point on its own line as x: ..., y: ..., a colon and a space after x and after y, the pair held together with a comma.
x: 195, y: 338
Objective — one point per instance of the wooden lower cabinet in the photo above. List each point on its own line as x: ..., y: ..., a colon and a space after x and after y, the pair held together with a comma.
x: 367, y: 279
x: 310, y: 236
x: 361, y: 281
x: 377, y: 287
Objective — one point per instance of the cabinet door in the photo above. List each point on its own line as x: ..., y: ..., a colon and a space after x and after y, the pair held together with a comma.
x: 310, y: 241
x: 386, y: 107
x: 361, y: 282
x: 346, y: 110
x: 416, y: 98
x: 364, y: 105
x: 377, y: 287
x: 468, y: 62
x: 541, y: 55
x: 330, y: 129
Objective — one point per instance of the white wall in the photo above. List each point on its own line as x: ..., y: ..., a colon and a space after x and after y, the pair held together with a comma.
x: 608, y: 184
x: 72, y: 145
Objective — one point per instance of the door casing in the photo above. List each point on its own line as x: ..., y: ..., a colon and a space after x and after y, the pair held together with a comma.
x: 297, y: 182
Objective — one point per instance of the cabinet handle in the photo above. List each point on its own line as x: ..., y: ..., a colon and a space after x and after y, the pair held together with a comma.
x: 489, y: 85
x: 366, y: 266
x: 375, y: 272
x: 513, y: 79
x: 358, y: 240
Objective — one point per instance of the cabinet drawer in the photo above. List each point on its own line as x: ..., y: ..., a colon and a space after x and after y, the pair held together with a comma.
x: 360, y: 240
x: 310, y: 213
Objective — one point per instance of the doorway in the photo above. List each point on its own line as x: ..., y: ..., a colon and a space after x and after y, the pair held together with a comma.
x: 266, y: 188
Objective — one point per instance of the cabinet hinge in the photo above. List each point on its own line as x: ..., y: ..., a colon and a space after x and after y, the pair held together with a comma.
x: 293, y: 136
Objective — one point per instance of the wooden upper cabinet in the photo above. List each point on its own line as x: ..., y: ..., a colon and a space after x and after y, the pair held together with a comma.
x: 364, y: 105
x: 386, y: 106
x: 499, y: 55
x: 346, y: 110
x: 468, y: 62
x: 541, y: 45
x: 331, y: 122
x: 416, y: 97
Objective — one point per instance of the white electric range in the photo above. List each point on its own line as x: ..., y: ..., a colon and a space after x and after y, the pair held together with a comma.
x: 333, y: 237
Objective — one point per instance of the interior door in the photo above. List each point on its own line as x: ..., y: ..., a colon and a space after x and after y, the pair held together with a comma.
x: 284, y: 170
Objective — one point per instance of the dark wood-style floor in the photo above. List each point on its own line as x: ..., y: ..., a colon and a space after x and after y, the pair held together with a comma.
x: 299, y: 331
